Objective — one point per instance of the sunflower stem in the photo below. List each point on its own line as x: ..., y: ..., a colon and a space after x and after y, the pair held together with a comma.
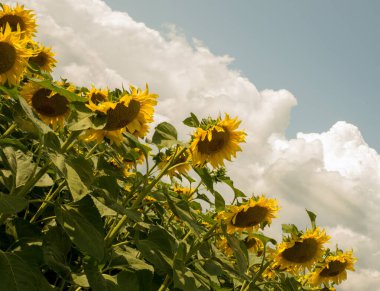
x: 165, y: 284
x: 70, y: 140
x: 115, y: 230
x: 47, y: 201
x: 91, y: 151
x: 9, y: 130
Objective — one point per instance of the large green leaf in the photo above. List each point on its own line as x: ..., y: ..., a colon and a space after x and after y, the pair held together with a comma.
x: 82, y: 222
x: 17, y: 275
x: 10, y: 204
x: 165, y: 135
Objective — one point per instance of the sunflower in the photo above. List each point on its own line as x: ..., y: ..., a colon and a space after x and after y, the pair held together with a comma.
x: 51, y: 107
x: 301, y: 251
x: 253, y: 244
x: 333, y: 269
x: 218, y: 141
x: 97, y: 96
x: 43, y: 58
x: 130, y: 113
x: 130, y: 164
x: 255, y: 213
x: 182, y: 165
x: 18, y: 19
x: 184, y: 191
x: 222, y: 244
x: 13, y: 57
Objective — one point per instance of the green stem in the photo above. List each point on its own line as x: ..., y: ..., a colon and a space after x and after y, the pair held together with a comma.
x: 165, y: 284
x: 198, y: 243
x: 10, y: 129
x: 114, y: 231
x: 69, y: 141
x: 91, y: 151
x: 47, y: 201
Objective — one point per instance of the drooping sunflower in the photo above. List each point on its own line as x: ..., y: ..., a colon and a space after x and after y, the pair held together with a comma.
x: 182, y: 165
x: 255, y: 213
x: 301, y: 251
x: 253, y: 244
x: 333, y: 269
x: 132, y: 113
x: 18, y: 19
x: 130, y: 164
x: 43, y: 58
x: 217, y: 142
x: 50, y: 106
x: 13, y: 57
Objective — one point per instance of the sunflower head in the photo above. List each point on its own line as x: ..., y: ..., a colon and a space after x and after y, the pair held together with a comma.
x: 51, y: 107
x: 255, y: 213
x: 333, y: 269
x: 253, y: 244
x: 216, y: 141
x: 96, y: 96
x: 18, y: 19
x: 43, y: 58
x: 130, y: 113
x: 13, y: 56
x: 301, y: 251
x: 183, y: 191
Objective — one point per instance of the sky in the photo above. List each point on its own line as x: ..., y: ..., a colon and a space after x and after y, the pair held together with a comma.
x: 187, y: 57
x: 325, y: 52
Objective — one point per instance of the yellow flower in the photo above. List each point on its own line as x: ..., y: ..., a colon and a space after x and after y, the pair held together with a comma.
x: 43, y: 58
x: 222, y: 244
x: 333, y: 269
x: 301, y: 251
x: 130, y: 164
x: 217, y: 143
x: 183, y: 191
x: 131, y: 113
x: 13, y: 57
x: 253, y: 244
x: 18, y: 19
x: 182, y: 165
x: 97, y: 96
x: 51, y: 107
x: 250, y: 215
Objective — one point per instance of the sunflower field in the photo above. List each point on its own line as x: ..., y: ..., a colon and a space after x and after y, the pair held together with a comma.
x: 90, y: 199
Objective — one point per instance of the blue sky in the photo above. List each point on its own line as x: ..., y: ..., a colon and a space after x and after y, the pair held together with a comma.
x: 325, y: 52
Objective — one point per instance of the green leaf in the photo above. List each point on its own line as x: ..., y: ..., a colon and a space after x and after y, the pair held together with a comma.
x: 206, y: 177
x: 40, y: 125
x: 290, y: 228
x: 16, y: 274
x: 220, y: 204
x: 240, y: 253
x: 192, y: 121
x: 12, y: 204
x: 83, y: 224
x: 13, y: 92
x: 312, y: 217
x: 264, y: 239
x: 56, y: 245
x: 183, y: 277
x: 165, y: 135
x: 58, y: 89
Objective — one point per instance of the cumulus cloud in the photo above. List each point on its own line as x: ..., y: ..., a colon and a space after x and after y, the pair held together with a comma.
x: 334, y: 173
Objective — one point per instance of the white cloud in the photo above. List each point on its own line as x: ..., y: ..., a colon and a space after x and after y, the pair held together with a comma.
x: 335, y: 173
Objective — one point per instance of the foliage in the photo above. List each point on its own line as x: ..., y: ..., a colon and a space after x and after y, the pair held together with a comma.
x: 87, y: 201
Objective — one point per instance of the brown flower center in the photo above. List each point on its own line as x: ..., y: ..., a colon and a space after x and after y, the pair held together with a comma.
x: 253, y: 216
x: 96, y: 98
x: 8, y: 57
x: 122, y: 115
x: 40, y: 60
x: 218, y: 140
x: 301, y: 252
x: 335, y: 268
x: 250, y: 242
x: 13, y: 21
x: 54, y: 106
